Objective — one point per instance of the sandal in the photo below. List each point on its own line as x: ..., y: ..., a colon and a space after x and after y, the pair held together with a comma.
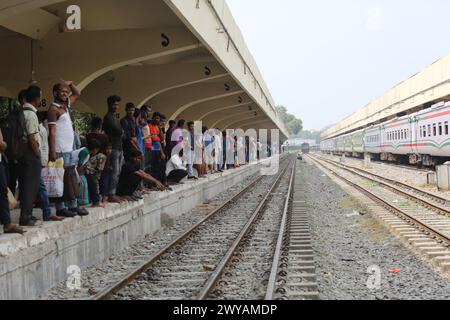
x: 54, y: 218
x: 14, y: 230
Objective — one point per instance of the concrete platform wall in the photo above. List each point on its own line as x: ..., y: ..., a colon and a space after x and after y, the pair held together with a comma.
x: 37, y: 261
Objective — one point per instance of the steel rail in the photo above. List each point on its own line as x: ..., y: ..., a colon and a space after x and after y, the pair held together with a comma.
x: 423, y: 202
x: 279, y: 246
x: 108, y: 292
x: 399, y: 183
x: 425, y: 228
x: 214, y: 277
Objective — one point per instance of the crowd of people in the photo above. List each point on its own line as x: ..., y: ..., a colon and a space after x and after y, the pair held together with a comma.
x: 118, y: 160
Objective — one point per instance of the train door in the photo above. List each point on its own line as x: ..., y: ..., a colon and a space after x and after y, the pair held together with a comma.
x: 414, y: 136
x: 381, y: 139
x: 382, y: 145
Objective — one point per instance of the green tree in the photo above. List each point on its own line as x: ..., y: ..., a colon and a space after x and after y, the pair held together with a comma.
x: 82, y: 121
x: 293, y: 124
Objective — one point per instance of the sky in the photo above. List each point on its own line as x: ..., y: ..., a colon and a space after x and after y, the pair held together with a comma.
x: 325, y: 59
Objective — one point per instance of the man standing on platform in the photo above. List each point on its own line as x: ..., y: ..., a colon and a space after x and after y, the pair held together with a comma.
x: 61, y: 138
x: 29, y: 164
x: 114, y: 131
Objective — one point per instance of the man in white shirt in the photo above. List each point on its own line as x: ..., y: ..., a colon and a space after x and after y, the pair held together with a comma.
x: 175, y: 169
x: 61, y: 139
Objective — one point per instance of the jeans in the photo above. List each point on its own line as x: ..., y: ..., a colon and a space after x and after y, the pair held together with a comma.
x: 104, y: 184
x: 5, y: 216
x: 148, y: 160
x: 177, y: 175
x: 29, y: 180
x: 43, y: 199
x: 158, y: 167
x: 116, y: 163
x: 190, y: 165
x: 93, y: 189
x: 68, y: 161
x: 13, y: 176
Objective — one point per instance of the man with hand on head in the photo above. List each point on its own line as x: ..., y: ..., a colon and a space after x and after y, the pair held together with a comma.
x: 61, y: 138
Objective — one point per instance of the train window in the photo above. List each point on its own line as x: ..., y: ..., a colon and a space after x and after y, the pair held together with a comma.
x: 429, y: 130
x: 440, y: 128
x: 424, y: 132
x: 446, y: 128
x: 434, y: 130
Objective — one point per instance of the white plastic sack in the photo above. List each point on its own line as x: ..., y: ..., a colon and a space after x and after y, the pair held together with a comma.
x: 53, y: 177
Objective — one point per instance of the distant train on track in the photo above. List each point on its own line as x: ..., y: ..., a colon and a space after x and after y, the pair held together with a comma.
x: 421, y: 138
x: 305, y: 147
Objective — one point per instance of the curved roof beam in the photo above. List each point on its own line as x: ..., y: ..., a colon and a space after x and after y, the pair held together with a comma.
x: 227, y: 108
x: 153, y: 95
x: 211, y: 98
x: 62, y: 56
x: 236, y: 124
x: 132, y: 83
x: 232, y: 116
x: 197, y: 111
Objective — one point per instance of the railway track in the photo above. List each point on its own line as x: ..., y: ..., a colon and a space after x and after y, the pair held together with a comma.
x: 274, y: 261
x: 442, y: 204
x: 293, y: 274
x: 190, y: 266
x: 395, y: 165
x: 422, y: 219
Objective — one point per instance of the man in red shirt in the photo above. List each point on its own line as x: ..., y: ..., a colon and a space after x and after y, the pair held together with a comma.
x: 158, y: 157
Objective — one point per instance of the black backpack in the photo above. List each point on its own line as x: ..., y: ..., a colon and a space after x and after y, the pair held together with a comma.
x: 16, y: 134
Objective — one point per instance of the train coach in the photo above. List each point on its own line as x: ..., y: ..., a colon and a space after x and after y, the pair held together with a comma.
x: 419, y: 138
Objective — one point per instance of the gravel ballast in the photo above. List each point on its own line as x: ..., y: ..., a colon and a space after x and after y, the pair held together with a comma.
x: 100, y: 276
x: 411, y: 176
x: 348, y: 241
